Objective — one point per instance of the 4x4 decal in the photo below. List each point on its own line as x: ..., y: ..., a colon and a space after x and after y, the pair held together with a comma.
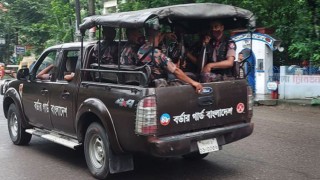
x: 125, y: 103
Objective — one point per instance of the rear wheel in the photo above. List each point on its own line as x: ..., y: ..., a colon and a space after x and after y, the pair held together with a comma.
x: 16, y: 131
x: 96, y: 150
x: 194, y: 156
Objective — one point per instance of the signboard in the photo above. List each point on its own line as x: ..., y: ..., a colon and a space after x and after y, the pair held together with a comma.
x: 20, y: 50
x: 256, y: 36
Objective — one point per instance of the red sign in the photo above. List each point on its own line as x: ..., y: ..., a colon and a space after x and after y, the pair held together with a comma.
x: 240, y: 108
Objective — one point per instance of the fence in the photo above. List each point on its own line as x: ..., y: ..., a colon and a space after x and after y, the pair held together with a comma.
x: 298, y: 85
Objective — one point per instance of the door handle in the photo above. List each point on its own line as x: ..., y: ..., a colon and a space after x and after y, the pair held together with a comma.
x: 44, y: 91
x: 65, y: 94
x: 205, y: 101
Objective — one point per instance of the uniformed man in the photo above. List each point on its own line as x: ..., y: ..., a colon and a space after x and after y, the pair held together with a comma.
x: 159, y: 63
x: 129, y: 53
x: 108, y: 47
x: 223, y: 55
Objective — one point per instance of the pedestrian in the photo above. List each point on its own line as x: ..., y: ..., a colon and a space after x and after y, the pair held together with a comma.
x: 305, y: 67
x: 239, y: 66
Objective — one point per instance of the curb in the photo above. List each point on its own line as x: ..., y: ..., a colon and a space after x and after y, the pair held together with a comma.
x: 294, y: 105
x: 267, y: 102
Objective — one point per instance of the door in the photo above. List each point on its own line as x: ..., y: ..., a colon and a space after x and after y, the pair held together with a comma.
x: 36, y: 92
x: 63, y: 94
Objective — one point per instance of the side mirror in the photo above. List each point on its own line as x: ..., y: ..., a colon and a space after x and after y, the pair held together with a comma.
x: 23, y: 74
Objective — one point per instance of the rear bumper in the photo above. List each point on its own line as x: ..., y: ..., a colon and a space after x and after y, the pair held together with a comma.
x: 185, y: 143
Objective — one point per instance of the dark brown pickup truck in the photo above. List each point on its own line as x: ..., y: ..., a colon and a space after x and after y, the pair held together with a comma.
x: 113, y: 113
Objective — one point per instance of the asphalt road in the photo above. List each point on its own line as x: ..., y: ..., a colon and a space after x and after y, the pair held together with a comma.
x: 285, y: 145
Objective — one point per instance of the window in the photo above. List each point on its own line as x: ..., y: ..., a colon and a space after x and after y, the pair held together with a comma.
x: 260, y: 64
x: 44, y: 70
x: 68, y: 67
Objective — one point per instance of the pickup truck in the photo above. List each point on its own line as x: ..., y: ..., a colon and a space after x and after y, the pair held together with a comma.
x: 112, y: 112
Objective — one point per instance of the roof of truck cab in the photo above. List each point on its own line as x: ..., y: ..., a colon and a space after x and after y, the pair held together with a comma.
x: 195, y: 11
x: 70, y: 45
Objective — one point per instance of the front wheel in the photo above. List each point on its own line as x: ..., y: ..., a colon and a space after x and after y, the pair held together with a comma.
x: 96, y: 151
x: 17, y: 133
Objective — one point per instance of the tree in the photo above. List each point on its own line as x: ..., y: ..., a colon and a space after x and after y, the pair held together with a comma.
x: 306, y: 40
x: 39, y: 23
x: 46, y: 22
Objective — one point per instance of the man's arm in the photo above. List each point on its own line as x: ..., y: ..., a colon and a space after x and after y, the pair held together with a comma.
x: 191, y: 57
x: 183, y: 77
x: 44, y: 74
x: 69, y: 77
x: 219, y: 65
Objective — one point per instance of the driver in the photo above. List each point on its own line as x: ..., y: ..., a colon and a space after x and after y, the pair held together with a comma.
x: 45, y: 74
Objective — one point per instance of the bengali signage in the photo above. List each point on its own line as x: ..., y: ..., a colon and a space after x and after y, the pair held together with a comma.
x: 255, y: 36
x: 20, y: 50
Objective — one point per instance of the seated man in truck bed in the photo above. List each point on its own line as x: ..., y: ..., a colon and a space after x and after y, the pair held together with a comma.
x: 159, y: 62
x: 108, y: 47
x: 223, y: 55
x: 129, y: 53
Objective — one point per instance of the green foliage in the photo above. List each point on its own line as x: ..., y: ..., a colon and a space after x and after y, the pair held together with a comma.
x: 42, y: 23
x: 296, y: 22
x: 38, y: 22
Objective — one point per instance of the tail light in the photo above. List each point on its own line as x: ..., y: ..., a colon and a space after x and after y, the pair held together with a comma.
x: 250, y: 102
x: 146, y: 117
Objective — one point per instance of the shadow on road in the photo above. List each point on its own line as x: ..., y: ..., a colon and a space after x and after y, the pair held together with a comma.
x: 145, y: 167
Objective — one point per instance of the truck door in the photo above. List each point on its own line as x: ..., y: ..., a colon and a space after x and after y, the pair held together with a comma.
x: 35, y: 97
x: 64, y: 93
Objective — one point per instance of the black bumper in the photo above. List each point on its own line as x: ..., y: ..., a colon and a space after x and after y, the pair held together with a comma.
x: 185, y: 143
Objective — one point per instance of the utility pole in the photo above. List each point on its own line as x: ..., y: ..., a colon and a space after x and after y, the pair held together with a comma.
x: 91, y: 12
x: 67, y: 2
x: 78, y: 20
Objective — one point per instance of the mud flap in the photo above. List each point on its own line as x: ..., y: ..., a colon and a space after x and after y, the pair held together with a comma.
x: 120, y: 163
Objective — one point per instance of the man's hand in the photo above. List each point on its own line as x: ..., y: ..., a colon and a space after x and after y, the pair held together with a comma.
x: 183, y: 77
x: 207, y: 68
x: 206, y: 40
x: 198, y: 87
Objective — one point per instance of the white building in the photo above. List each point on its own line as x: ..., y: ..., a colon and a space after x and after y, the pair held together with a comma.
x: 110, y: 6
x: 262, y: 46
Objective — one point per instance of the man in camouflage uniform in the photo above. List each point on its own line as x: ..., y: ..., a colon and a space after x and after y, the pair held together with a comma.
x: 223, y: 55
x: 129, y: 53
x: 108, y: 47
x: 159, y: 63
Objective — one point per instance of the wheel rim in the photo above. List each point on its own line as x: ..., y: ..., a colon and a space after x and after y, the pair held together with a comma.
x: 97, y: 151
x: 13, y: 124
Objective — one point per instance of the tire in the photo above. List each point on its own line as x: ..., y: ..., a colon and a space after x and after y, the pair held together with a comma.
x: 96, y: 151
x: 194, y: 156
x: 17, y: 133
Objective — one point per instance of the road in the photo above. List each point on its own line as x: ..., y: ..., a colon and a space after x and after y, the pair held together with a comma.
x: 285, y: 145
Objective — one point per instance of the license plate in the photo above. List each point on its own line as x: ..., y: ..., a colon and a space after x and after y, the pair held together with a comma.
x: 209, y: 145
